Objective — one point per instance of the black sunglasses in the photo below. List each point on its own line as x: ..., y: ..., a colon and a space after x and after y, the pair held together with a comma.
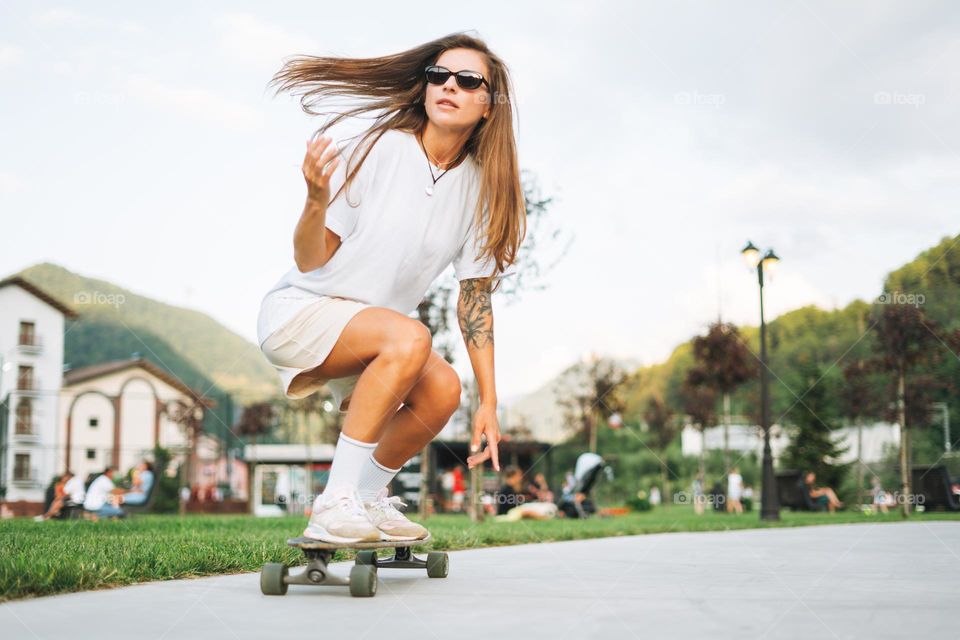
x: 465, y: 79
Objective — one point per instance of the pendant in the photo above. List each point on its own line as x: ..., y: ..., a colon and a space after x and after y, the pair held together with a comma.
x: 429, y: 190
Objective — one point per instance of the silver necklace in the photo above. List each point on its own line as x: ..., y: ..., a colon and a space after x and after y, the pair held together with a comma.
x: 429, y: 188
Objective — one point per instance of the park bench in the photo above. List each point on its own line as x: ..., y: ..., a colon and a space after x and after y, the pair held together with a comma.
x: 792, y: 492
x: 933, y: 483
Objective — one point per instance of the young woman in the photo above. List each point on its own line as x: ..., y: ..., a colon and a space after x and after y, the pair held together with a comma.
x: 433, y: 182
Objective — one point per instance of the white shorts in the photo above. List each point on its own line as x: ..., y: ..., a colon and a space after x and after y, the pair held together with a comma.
x: 305, y: 341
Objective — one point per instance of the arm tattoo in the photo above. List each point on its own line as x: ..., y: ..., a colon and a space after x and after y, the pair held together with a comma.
x: 475, y: 312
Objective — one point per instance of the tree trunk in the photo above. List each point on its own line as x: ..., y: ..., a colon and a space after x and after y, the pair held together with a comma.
x: 423, y: 507
x: 703, y: 452
x: 665, y: 482
x: 904, y: 444
x: 475, y: 508
x: 859, y: 463
x: 592, y: 425
x: 726, y: 432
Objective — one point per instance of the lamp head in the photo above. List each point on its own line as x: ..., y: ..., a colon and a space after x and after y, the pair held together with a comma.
x: 751, y: 255
x: 770, y: 260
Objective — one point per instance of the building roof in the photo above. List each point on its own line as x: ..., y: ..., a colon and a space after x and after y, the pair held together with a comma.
x: 39, y: 293
x: 82, y: 374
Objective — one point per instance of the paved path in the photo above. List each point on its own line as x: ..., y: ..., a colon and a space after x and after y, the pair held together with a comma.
x: 893, y: 580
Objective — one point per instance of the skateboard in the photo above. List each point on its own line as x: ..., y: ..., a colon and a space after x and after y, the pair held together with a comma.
x: 275, y: 578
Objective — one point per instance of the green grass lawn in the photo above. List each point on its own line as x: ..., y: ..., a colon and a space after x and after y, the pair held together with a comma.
x: 42, y: 558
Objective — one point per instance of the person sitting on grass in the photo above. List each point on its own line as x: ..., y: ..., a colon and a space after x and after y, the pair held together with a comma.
x: 102, y: 497
x: 514, y: 504
x: 821, y: 495
x: 540, y: 489
x: 142, y: 483
x: 60, y: 497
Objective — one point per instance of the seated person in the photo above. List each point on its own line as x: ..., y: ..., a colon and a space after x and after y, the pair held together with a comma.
x: 514, y: 504
x: 510, y: 493
x: 539, y: 489
x: 98, y: 501
x: 142, y: 483
x: 821, y: 495
x: 76, y: 490
x: 59, y: 498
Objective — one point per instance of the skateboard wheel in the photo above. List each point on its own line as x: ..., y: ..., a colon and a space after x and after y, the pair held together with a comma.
x: 437, y: 564
x: 367, y: 557
x: 272, y: 579
x: 363, y: 580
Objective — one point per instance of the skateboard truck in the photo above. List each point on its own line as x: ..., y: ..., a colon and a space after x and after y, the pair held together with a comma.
x: 275, y: 577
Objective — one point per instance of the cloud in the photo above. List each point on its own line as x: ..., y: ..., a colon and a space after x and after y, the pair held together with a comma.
x: 10, y: 183
x: 246, y: 38
x: 10, y: 55
x: 201, y: 104
x: 69, y: 18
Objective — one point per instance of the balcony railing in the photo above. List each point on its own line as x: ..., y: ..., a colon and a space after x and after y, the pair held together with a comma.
x: 25, y: 475
x: 27, y: 429
x: 30, y: 343
x: 28, y: 385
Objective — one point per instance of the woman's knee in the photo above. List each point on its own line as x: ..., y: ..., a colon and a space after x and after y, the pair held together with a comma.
x: 448, y: 389
x: 410, y: 346
x: 439, y: 388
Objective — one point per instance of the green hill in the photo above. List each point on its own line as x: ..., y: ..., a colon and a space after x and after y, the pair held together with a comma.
x: 830, y: 339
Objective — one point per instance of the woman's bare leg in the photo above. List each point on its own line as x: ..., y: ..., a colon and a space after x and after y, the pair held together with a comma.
x: 388, y: 350
x: 427, y: 408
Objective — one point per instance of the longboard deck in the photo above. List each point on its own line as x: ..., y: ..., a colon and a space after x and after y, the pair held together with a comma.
x: 310, y: 543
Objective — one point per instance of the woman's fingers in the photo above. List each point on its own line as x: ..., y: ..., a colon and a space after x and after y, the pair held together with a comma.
x: 492, y: 448
x: 320, y: 161
x: 478, y: 458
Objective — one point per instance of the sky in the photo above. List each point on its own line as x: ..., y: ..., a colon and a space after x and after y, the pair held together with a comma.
x: 141, y: 145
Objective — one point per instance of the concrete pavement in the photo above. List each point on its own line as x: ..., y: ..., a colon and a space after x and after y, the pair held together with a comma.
x: 885, y: 580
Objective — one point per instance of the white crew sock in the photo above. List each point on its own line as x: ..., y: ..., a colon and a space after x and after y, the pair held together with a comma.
x: 349, y: 458
x: 373, y: 478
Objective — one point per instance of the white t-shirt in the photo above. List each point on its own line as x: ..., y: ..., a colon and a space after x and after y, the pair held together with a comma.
x: 396, y: 241
x: 734, y: 486
x: 75, y: 490
x: 97, y: 493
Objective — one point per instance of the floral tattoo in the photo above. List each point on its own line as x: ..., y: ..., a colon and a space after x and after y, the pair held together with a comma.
x: 475, y: 312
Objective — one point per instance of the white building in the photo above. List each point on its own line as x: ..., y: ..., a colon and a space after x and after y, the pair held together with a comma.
x: 31, y: 371
x: 745, y: 438
x: 115, y: 413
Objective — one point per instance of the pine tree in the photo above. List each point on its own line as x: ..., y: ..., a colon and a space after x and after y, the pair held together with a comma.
x: 812, y: 446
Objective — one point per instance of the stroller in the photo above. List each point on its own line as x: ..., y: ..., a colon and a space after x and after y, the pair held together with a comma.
x: 586, y: 472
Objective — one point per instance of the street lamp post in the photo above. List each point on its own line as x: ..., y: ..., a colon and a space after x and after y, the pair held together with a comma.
x: 769, y: 502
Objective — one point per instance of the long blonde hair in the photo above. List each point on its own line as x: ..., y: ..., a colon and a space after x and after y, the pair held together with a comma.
x: 395, y: 86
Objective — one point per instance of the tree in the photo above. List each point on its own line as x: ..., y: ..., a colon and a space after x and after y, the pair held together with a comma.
x: 256, y: 420
x: 723, y: 363
x: 812, y: 447
x: 700, y: 403
x: 597, y: 396
x: 659, y: 419
x: 906, y: 340
x: 857, y: 402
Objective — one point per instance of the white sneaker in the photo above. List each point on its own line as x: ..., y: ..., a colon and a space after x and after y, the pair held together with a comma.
x: 339, y: 517
x: 393, y: 525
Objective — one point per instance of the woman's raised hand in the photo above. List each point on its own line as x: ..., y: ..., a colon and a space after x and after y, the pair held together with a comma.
x: 318, y: 165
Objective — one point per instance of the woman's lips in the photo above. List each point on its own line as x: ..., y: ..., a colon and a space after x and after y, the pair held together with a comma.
x: 447, y: 104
